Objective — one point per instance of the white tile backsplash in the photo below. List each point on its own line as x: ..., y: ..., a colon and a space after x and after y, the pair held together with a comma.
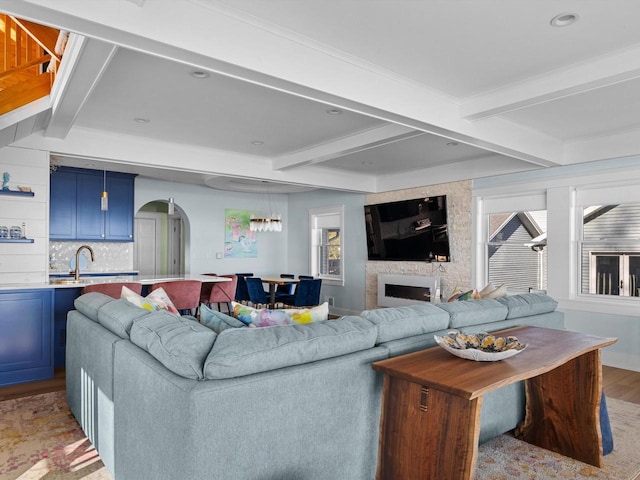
x: 109, y: 256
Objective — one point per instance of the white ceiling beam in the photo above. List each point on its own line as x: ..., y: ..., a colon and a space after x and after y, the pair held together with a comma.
x: 607, y: 70
x: 128, y: 149
x: 85, y: 60
x: 354, y: 143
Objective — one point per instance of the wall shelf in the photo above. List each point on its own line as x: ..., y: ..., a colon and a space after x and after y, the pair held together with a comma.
x: 17, y: 192
x: 16, y: 240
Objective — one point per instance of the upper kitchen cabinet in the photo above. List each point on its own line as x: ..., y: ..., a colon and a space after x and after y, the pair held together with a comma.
x: 75, y: 212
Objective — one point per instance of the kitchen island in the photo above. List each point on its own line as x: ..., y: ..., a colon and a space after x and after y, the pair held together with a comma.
x: 34, y: 318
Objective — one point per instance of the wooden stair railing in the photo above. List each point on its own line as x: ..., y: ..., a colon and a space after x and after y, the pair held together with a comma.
x: 28, y: 62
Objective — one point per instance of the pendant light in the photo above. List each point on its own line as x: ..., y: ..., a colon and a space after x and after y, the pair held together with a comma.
x: 104, y: 200
x: 171, y: 209
x: 266, y: 221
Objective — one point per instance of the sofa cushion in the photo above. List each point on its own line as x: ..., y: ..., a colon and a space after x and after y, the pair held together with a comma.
x: 156, y: 300
x: 264, y: 317
x: 243, y: 351
x: 89, y: 304
x: 179, y: 343
x: 474, y: 312
x: 527, y: 304
x: 218, y: 321
x: 400, y: 322
x: 118, y: 316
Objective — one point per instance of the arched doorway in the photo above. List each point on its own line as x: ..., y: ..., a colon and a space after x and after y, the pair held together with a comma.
x: 159, y: 247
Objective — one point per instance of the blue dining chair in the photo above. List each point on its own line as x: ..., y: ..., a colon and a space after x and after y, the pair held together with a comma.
x: 242, y: 293
x: 257, y: 295
x: 286, y: 289
x: 307, y: 294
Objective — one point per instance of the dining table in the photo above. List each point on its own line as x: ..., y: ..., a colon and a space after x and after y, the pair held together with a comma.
x: 273, y: 282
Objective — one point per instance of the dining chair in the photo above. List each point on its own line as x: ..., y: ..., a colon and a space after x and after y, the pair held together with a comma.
x: 257, y: 295
x: 307, y: 294
x: 242, y: 293
x: 113, y: 289
x: 185, y: 294
x: 205, y: 290
x: 222, y: 292
x: 305, y: 277
x: 286, y: 289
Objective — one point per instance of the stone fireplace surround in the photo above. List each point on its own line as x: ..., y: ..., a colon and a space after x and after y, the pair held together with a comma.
x: 457, y: 272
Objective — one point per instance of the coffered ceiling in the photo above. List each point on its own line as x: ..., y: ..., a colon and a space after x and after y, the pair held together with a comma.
x: 347, y: 94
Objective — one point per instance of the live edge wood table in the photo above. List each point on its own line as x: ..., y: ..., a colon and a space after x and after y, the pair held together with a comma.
x: 432, y: 400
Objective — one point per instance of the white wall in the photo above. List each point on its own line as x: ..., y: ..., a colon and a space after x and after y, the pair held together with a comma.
x: 203, y: 211
x: 597, y: 316
x: 25, y: 262
x: 350, y: 298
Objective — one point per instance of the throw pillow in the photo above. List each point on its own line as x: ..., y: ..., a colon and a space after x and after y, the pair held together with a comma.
x: 497, y: 292
x: 155, y: 301
x: 265, y: 317
x: 218, y: 321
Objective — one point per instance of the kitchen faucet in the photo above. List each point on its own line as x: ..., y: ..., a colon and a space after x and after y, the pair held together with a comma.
x: 76, y: 272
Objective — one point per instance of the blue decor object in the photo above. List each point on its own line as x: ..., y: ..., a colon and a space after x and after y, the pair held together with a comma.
x: 605, y: 427
x: 5, y: 180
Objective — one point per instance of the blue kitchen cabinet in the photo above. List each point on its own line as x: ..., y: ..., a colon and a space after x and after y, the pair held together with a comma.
x: 62, y: 206
x: 26, y: 322
x: 63, y: 303
x: 82, y: 210
x: 119, y: 221
x: 90, y: 219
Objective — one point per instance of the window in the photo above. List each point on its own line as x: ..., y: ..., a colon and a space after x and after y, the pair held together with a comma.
x: 610, y: 250
x: 516, y: 250
x: 327, y: 242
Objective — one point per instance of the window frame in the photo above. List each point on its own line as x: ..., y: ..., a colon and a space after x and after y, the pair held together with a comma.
x: 315, y: 243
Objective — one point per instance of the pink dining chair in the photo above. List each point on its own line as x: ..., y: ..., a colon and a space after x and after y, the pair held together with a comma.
x: 222, y: 292
x: 113, y: 289
x: 185, y: 294
x: 205, y: 290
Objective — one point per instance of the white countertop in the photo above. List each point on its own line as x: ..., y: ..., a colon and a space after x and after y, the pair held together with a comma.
x: 144, y: 279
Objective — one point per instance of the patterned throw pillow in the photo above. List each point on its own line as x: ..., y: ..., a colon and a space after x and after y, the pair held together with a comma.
x: 265, y: 318
x: 155, y: 301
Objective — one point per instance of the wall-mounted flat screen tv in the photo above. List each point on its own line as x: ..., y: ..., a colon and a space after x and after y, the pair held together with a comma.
x: 408, y: 230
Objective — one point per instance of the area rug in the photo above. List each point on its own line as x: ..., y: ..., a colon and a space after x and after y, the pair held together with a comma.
x: 40, y: 440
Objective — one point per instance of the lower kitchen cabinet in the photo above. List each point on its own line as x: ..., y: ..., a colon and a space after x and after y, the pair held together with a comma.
x: 63, y: 303
x: 26, y: 343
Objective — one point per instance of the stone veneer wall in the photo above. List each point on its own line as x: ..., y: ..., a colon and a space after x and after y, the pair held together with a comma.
x: 457, y: 272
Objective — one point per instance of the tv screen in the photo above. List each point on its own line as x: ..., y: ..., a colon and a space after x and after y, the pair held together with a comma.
x: 408, y: 230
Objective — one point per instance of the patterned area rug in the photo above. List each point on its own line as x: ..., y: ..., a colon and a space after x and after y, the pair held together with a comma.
x: 505, y: 458
x: 40, y: 440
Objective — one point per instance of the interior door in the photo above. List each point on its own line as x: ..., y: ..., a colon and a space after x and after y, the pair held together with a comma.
x: 174, y: 250
x: 147, y: 243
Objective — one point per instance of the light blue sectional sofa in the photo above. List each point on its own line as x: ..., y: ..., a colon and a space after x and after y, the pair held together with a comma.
x: 165, y: 397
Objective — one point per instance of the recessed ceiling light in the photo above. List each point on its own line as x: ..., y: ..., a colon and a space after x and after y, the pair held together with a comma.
x: 334, y: 111
x: 257, y: 142
x: 452, y: 144
x: 564, y: 19
x: 200, y: 74
x: 367, y: 163
x: 141, y: 120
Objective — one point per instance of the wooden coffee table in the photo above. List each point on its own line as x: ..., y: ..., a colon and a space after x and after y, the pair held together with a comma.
x: 432, y: 400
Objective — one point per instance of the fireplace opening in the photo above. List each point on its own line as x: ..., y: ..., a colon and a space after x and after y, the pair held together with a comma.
x: 407, y: 292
